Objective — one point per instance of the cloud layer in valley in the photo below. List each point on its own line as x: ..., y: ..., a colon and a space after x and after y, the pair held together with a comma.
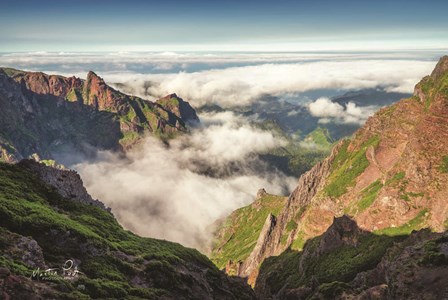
x: 161, y: 191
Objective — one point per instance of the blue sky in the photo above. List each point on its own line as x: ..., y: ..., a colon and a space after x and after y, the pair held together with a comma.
x: 221, y: 25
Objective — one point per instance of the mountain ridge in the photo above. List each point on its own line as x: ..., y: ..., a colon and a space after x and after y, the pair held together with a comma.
x: 52, y: 111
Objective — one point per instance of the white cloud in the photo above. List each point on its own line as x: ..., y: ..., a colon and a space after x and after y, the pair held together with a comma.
x: 328, y: 111
x: 324, y: 107
x: 239, y: 86
x: 166, y: 192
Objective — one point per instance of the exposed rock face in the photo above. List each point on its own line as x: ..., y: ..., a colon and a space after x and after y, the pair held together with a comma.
x: 343, y: 231
x: 44, y: 114
x: 68, y: 183
x: 179, y: 107
x: 261, y: 193
x: 269, y: 241
x: 441, y: 68
x: 391, y: 177
x: 263, y: 241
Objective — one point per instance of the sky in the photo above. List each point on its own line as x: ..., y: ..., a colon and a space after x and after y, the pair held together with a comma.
x: 232, y: 25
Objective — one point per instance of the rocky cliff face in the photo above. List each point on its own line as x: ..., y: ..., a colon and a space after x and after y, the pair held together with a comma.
x: 391, y: 177
x: 44, y: 114
x: 276, y: 238
x: 67, y: 183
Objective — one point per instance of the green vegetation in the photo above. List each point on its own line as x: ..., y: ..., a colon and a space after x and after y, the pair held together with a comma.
x: 427, y: 87
x: 49, y: 162
x: 239, y: 232
x: 444, y: 164
x: 171, y: 102
x: 321, y: 138
x: 129, y: 138
x: 418, y: 222
x: 333, y: 289
x: 347, y: 166
x: 299, y: 242
x: 300, y: 153
x: 369, y: 195
x: 74, y: 95
x: 341, y: 264
x: 433, y: 254
x: 11, y: 72
x: 395, y: 179
x: 30, y: 208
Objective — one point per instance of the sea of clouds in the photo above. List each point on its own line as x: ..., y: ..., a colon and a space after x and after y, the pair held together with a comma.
x: 165, y: 191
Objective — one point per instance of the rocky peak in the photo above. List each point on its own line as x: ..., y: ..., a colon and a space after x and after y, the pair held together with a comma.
x: 100, y: 95
x: 343, y: 231
x: 182, y: 109
x: 440, y: 69
x: 92, y: 76
x: 68, y: 183
x: 261, y: 193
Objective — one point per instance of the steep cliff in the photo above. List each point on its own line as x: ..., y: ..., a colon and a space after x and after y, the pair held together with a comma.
x: 46, y: 114
x: 391, y: 177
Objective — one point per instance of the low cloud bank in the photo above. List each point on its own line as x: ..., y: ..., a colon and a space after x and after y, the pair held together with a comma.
x: 158, y: 191
x: 241, y: 86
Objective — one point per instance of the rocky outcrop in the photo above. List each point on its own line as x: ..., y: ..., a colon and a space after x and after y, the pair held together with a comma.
x: 441, y: 69
x: 67, y: 183
x: 257, y: 254
x: 179, y: 107
x: 343, y: 231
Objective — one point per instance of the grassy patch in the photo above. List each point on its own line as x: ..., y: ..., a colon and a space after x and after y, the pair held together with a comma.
x: 416, y: 223
x: 347, y: 166
x: 395, y: 179
x: 369, y: 195
x: 443, y: 167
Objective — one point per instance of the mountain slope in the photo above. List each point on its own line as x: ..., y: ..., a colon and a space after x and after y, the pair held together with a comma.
x: 346, y: 262
x: 391, y: 177
x: 42, y: 229
x: 47, y: 114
